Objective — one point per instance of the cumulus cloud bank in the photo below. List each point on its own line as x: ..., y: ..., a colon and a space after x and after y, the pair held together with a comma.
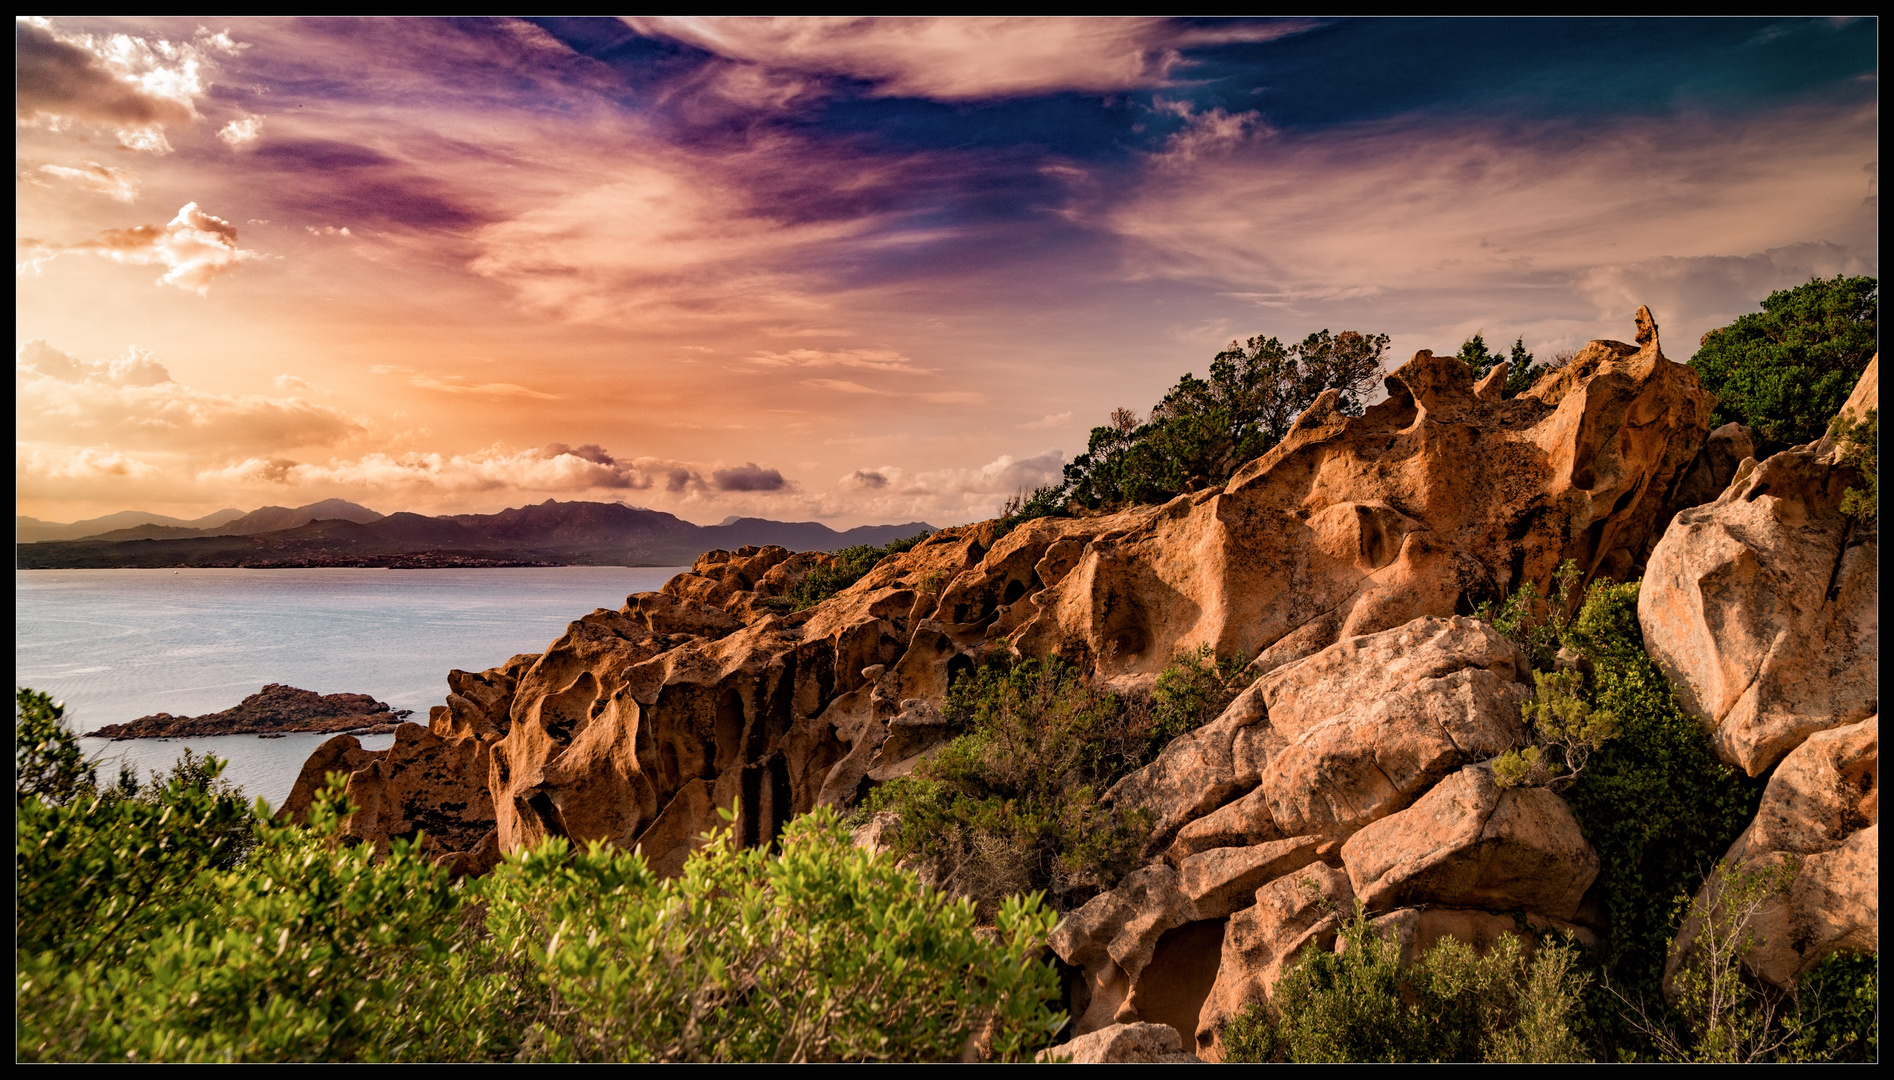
x: 194, y: 248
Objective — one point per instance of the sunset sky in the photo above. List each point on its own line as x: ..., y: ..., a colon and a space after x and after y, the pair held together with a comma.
x: 854, y: 271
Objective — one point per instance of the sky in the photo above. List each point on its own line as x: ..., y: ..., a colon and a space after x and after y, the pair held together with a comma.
x: 847, y: 270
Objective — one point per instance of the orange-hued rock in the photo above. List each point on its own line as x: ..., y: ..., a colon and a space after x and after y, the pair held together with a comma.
x: 1123, y: 1044
x: 1296, y: 912
x: 1373, y: 721
x: 423, y: 784
x: 1426, y: 504
x: 1822, y: 811
x: 1763, y: 607
x: 1468, y: 843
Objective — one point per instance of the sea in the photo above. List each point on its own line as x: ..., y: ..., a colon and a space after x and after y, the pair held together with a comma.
x: 115, y: 645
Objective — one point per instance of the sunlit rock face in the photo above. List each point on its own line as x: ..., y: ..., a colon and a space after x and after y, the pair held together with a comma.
x: 1428, y: 503
x: 1762, y: 607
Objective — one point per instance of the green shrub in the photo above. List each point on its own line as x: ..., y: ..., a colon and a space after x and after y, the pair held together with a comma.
x: 1535, y: 625
x: 1787, y: 369
x: 1658, y: 806
x: 823, y: 952
x: 1859, y: 448
x: 137, y: 938
x: 851, y: 565
x: 1363, y: 1004
x: 1013, y: 804
x: 1836, y: 1010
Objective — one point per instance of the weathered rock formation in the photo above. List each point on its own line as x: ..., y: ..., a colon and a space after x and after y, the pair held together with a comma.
x: 1763, y: 606
x: 1821, y: 815
x: 1352, y: 774
x: 274, y: 710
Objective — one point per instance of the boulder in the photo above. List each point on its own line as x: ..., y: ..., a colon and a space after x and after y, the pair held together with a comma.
x: 1296, y: 912
x: 1201, y: 770
x: 1820, y: 813
x: 1140, y: 1044
x: 1468, y: 843
x: 1762, y: 607
x: 1373, y: 721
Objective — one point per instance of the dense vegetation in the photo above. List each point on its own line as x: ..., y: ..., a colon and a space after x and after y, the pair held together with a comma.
x: 850, y: 565
x: 1014, y: 803
x: 172, y: 922
x: 1787, y: 369
x: 1361, y: 1003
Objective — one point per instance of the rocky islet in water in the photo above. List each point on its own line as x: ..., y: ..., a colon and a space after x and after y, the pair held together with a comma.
x: 272, y: 711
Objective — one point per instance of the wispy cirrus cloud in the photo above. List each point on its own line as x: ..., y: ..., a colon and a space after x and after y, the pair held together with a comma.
x: 961, y: 58
x: 110, y: 181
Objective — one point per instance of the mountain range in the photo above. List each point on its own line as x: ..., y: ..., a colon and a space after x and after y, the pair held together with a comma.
x: 336, y: 532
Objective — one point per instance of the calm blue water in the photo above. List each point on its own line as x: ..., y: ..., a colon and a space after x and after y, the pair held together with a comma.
x: 115, y: 645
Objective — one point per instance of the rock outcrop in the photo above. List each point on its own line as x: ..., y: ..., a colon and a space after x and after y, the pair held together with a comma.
x: 274, y: 710
x: 1123, y: 1044
x: 1820, y: 818
x: 1763, y: 607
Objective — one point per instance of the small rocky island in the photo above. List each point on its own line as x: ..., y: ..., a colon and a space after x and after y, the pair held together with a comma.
x: 272, y: 711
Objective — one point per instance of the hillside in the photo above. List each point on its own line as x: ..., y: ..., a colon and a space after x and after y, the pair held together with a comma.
x: 339, y: 533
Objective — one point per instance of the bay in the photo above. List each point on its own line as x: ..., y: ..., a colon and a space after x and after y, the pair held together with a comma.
x: 115, y: 645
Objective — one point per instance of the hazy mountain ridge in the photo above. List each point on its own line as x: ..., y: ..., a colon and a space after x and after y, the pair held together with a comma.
x: 340, y: 533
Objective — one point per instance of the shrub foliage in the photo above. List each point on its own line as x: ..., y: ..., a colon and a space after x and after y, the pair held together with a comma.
x: 1015, y: 803
x: 1362, y: 1003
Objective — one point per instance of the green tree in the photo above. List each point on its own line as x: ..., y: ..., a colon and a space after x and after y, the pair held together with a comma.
x: 1521, y: 371
x: 1787, y: 369
x: 1203, y: 431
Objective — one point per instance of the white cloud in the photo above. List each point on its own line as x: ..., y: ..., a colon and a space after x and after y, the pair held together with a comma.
x: 134, y: 84
x: 194, y: 248
x: 1049, y: 421
x: 242, y: 133
x: 106, y: 180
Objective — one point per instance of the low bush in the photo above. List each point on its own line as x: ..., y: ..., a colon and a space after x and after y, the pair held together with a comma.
x: 825, y: 580
x: 1362, y: 1003
x: 1014, y: 803
x: 822, y: 952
